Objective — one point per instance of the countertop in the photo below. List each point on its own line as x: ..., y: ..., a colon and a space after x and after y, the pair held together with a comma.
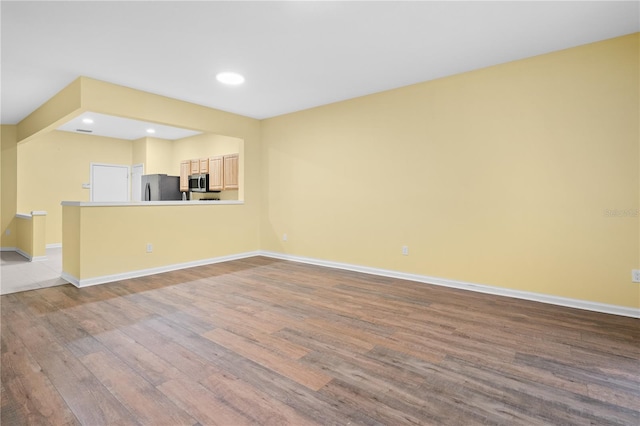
x: 150, y: 203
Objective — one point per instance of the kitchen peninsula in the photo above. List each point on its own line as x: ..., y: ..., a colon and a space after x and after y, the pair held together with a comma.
x: 109, y: 241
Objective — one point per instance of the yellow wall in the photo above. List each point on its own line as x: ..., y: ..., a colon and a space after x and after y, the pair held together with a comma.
x: 501, y: 176
x: 39, y: 227
x: 30, y: 234
x: 139, y: 152
x: 52, y: 168
x: 71, y: 244
x: 8, y: 189
x: 24, y: 235
x: 160, y: 157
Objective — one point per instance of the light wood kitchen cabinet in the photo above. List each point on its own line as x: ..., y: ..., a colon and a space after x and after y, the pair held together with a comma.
x: 204, y: 165
x: 185, y: 171
x: 231, y: 171
x: 195, y: 167
x: 216, y: 173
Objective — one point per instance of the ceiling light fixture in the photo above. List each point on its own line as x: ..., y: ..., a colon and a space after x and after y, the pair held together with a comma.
x: 231, y: 78
x: 151, y: 131
x: 87, y: 120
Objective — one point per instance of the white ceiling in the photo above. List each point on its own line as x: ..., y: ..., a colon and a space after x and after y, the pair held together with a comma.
x: 123, y: 128
x: 294, y: 55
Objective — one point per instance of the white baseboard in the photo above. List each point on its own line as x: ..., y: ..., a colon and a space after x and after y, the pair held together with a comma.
x: 70, y: 279
x: 480, y: 288
x: 80, y: 283
x: 23, y: 254
x: 54, y: 245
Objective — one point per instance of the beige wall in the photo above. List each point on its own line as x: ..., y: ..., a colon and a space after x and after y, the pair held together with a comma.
x: 24, y: 235
x: 501, y: 176
x: 160, y: 157
x: 52, y: 168
x: 139, y: 152
x: 8, y: 188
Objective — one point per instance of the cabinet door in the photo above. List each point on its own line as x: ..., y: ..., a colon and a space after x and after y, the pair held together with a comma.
x: 231, y: 171
x: 204, y: 165
x: 216, y: 165
x: 195, y: 167
x: 185, y: 169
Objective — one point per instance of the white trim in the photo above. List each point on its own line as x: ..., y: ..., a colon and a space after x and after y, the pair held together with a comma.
x: 150, y: 203
x: 70, y: 279
x: 80, y: 283
x: 23, y: 216
x: 53, y: 245
x: 133, y: 168
x: 480, y: 288
x: 92, y: 169
x: 39, y: 213
x: 24, y: 254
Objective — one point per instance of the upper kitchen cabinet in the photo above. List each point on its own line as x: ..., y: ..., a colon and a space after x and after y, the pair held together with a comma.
x: 185, y: 171
x: 204, y: 165
x: 231, y: 171
x: 223, y: 172
x: 195, y: 167
x: 216, y: 173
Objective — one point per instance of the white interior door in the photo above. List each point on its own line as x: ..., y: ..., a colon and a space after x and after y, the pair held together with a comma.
x: 137, y: 170
x: 109, y: 182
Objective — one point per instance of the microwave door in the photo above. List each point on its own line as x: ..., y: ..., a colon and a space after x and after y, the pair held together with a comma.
x: 193, y: 183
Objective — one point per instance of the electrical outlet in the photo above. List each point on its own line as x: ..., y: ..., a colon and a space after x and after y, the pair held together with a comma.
x: 149, y: 248
x: 635, y: 275
x: 405, y: 250
x: 8, y: 232
x: 284, y: 237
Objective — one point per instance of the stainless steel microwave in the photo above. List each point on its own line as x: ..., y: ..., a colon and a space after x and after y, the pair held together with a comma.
x: 199, y: 183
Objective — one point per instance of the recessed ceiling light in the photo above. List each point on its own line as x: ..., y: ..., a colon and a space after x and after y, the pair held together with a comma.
x: 87, y: 120
x: 232, y: 78
x: 151, y: 131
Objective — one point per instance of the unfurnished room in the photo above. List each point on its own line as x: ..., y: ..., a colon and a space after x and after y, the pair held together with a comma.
x: 320, y: 213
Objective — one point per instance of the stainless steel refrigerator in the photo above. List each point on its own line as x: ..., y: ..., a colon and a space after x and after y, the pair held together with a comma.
x: 161, y: 188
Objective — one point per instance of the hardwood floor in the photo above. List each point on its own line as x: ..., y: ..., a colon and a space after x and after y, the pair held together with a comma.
x: 264, y: 341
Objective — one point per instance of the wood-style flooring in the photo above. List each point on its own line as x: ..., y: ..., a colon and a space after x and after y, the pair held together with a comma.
x: 269, y: 342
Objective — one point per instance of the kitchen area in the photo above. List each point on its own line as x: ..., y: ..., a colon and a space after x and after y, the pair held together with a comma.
x: 201, y: 179
x: 209, y: 219
x: 203, y: 167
